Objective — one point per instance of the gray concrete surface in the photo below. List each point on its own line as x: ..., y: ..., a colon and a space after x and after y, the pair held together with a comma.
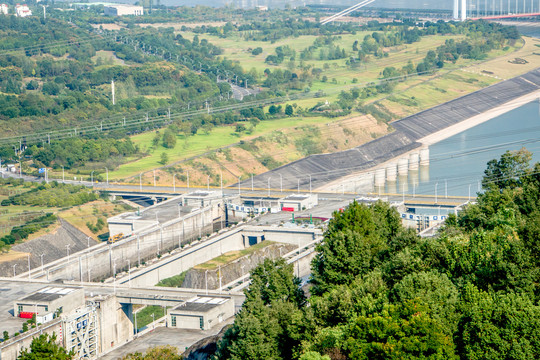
x: 53, y: 246
x: 10, y: 293
x: 182, y: 339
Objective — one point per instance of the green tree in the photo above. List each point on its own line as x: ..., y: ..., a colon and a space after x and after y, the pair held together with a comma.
x: 498, y: 326
x: 353, y: 243
x: 164, y: 159
x: 404, y: 331
x: 166, y: 352
x: 289, y: 111
x: 169, y: 139
x: 156, y: 139
x: 6, y: 335
x: 45, y: 347
x: 270, y: 324
x: 507, y: 171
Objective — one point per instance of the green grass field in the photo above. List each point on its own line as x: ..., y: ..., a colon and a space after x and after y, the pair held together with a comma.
x: 200, y: 143
x: 144, y: 316
x: 231, y: 256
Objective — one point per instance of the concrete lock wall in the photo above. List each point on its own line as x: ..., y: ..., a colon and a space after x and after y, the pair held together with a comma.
x: 187, y: 258
x: 100, y: 262
x: 115, y: 327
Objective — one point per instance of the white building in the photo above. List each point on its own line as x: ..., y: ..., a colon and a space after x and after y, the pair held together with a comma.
x: 123, y: 10
x: 4, y: 9
x: 22, y: 10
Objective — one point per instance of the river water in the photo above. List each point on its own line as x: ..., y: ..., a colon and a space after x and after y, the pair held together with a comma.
x: 458, y: 162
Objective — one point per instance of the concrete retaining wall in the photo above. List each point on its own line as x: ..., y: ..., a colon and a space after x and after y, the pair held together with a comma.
x: 99, y: 262
x: 193, y: 255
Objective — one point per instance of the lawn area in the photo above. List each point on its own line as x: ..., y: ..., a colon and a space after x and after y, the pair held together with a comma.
x: 200, y: 143
x: 144, y: 316
x: 173, y: 281
x: 231, y: 256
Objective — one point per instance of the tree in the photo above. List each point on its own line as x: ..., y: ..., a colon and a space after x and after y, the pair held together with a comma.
x: 403, y: 331
x: 240, y: 128
x: 6, y: 335
x: 289, y: 111
x: 166, y: 352
x: 169, y: 139
x: 164, y: 159
x: 155, y: 139
x: 45, y: 347
x: 353, y: 242
x: 269, y: 325
x: 498, y: 326
x: 507, y: 171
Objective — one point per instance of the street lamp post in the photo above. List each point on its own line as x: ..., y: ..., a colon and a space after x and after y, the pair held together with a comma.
x: 114, y: 276
x: 14, y: 273
x: 140, y: 182
x: 129, y: 272
x: 239, y: 184
x: 280, y: 183
x: 310, y: 183
x: 206, y: 280
x: 107, y: 172
x: 29, y: 267
x: 269, y: 187
x: 208, y: 182
x: 67, y: 248
x: 154, y: 178
x: 174, y: 182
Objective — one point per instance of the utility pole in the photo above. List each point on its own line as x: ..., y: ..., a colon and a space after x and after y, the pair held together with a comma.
x: 112, y: 91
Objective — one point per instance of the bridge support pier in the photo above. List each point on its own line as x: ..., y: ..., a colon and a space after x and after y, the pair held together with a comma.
x: 414, y: 159
x: 391, y: 172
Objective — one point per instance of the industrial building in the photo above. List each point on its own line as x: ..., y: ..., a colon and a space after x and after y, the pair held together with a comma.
x: 49, y: 303
x: 299, y: 202
x: 123, y: 10
x: 202, y: 313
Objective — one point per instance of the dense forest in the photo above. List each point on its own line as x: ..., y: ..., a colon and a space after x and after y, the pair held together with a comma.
x: 62, y: 74
x: 378, y: 291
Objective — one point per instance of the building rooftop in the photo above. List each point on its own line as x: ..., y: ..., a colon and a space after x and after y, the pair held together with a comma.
x: 202, y: 194
x: 201, y: 304
x: 297, y: 197
x: 48, y: 294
